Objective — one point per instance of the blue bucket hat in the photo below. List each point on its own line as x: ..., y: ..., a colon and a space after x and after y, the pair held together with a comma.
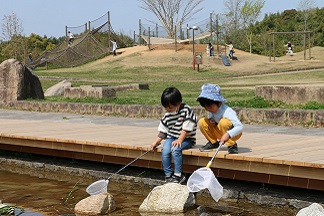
x: 211, y: 92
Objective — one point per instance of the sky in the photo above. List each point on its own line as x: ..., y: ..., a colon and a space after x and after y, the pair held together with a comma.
x: 44, y: 17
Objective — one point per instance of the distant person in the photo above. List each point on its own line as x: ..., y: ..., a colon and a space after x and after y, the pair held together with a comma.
x: 289, y: 45
x: 221, y: 124
x: 211, y: 49
x: 289, y: 48
x: 178, y: 128
x: 114, y: 47
x: 231, y: 49
x: 71, y: 38
x: 30, y: 57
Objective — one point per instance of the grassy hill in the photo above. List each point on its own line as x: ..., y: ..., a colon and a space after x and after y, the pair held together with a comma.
x: 163, y: 66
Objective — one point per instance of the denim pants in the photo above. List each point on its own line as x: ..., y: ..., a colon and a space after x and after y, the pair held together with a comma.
x: 176, y: 155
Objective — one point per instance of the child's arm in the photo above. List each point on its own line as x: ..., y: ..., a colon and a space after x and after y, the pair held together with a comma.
x: 157, y: 142
x: 161, y: 136
x: 180, y: 139
x: 225, y: 138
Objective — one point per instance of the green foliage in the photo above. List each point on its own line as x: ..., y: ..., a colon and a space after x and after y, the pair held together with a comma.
x: 286, y: 21
x: 19, y: 47
x: 312, y: 105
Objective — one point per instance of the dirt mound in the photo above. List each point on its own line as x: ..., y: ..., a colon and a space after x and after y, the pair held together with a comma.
x: 166, y: 55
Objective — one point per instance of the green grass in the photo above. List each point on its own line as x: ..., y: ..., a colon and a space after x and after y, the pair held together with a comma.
x: 238, y: 88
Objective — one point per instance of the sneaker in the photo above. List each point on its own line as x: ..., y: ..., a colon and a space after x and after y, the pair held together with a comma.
x: 209, y: 146
x: 167, y: 178
x: 177, y: 179
x: 233, y: 149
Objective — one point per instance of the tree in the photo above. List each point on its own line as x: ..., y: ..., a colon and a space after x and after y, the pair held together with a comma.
x: 241, y: 14
x: 11, y: 26
x: 250, y: 13
x: 307, y: 8
x: 172, y: 13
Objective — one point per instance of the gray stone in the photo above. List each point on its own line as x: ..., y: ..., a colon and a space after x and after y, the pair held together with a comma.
x: 18, y: 82
x: 132, y: 87
x: 313, y: 210
x: 57, y: 89
x: 100, y: 204
x: 89, y: 91
x: 168, y: 198
x: 295, y: 94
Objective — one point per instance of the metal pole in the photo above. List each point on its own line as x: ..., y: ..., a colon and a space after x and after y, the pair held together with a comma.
x: 140, y: 32
x: 274, y: 48
x: 149, y: 38
x: 211, y: 27
x: 175, y: 38
x: 109, y: 30
x: 193, y: 42
x: 187, y: 31
x: 193, y: 49
x: 309, y: 45
x: 218, y: 52
x: 304, y: 46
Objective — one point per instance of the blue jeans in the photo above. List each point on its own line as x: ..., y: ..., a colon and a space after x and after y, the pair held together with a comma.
x: 176, y: 154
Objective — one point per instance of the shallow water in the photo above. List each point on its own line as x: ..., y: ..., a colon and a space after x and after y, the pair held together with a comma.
x: 59, y: 194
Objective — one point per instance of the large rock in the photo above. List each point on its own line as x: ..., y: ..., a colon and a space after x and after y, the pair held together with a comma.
x: 90, y: 91
x: 57, y: 89
x: 313, y: 210
x: 168, y: 198
x: 18, y: 82
x: 100, y: 204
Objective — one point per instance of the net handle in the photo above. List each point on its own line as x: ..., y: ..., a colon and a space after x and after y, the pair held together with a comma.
x: 211, y: 160
x: 121, y: 169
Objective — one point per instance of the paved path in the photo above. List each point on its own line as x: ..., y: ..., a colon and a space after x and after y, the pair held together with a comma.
x: 273, y: 154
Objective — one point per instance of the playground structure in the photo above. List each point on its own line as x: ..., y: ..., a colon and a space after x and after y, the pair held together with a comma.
x: 306, y: 34
x: 92, y: 41
x: 208, y: 31
x: 154, y: 35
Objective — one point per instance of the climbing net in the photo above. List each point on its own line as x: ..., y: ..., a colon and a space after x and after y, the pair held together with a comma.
x: 91, y: 42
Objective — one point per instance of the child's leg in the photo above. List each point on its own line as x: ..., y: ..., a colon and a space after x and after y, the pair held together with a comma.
x: 223, y: 126
x: 214, y: 133
x: 166, y: 157
x: 177, y: 156
x: 208, y: 130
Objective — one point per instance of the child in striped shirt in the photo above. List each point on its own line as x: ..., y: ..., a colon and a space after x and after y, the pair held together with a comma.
x: 178, y: 128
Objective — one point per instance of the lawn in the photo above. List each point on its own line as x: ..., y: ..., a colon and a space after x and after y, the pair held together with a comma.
x: 163, y: 68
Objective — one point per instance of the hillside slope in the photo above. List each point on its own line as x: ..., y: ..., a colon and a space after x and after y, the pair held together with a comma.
x: 160, y: 56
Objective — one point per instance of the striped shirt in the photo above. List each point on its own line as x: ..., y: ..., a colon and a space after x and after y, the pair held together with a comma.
x: 173, y: 123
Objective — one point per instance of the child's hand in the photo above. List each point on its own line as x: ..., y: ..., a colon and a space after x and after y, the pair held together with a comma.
x: 212, y: 122
x: 176, y: 144
x: 225, y: 138
x: 153, y: 145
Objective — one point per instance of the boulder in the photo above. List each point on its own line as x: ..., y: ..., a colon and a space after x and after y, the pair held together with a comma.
x: 100, y: 204
x: 57, y: 89
x: 89, y: 91
x: 313, y: 210
x: 18, y: 82
x: 168, y: 198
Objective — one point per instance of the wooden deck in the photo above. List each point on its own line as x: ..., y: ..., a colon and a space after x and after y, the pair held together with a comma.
x: 267, y: 154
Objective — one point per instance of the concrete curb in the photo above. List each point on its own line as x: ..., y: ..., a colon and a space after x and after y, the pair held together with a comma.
x: 280, y: 117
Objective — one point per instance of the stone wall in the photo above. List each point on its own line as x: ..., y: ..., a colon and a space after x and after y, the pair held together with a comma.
x: 292, y: 94
x: 307, y: 118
